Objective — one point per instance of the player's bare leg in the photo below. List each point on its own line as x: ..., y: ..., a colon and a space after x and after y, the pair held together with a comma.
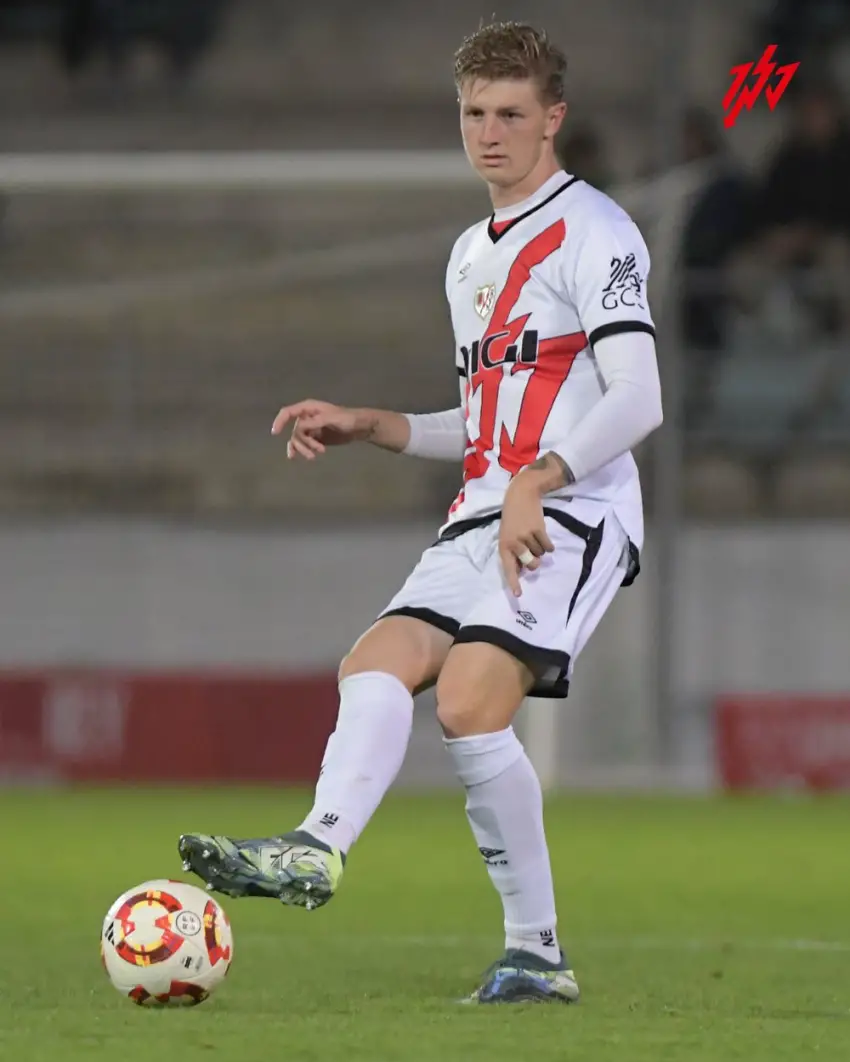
x: 393, y: 659
x: 479, y: 691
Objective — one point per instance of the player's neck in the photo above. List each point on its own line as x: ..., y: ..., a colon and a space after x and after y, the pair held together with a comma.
x: 524, y: 189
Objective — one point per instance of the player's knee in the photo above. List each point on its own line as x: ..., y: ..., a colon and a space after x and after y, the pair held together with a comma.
x: 348, y: 666
x: 460, y: 709
x: 369, y: 653
x: 460, y: 720
x: 409, y: 649
x: 376, y: 653
x: 479, y: 690
x: 356, y: 662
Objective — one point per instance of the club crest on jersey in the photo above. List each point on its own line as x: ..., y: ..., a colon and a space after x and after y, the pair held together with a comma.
x: 485, y: 300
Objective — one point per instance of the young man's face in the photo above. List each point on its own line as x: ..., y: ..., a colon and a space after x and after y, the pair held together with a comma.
x: 506, y: 128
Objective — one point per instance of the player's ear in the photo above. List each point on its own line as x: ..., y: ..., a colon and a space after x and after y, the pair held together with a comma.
x: 555, y: 119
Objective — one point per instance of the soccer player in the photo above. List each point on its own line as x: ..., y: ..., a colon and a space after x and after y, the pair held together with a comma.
x: 554, y: 346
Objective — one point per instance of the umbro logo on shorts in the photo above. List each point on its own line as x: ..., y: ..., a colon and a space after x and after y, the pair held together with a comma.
x: 526, y: 619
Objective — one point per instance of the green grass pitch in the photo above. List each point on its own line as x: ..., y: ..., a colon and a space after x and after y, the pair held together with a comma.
x: 702, y: 930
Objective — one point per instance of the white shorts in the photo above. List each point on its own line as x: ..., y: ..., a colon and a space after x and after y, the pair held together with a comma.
x: 459, y: 587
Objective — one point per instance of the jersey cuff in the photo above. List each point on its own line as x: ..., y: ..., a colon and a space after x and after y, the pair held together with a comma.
x: 617, y: 328
x: 440, y: 436
x: 570, y: 459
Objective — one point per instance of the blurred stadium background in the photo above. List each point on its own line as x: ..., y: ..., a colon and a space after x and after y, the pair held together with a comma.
x: 208, y: 210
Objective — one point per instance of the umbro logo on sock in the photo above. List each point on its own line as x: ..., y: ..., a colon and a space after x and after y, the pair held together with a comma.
x: 491, y: 857
x: 329, y: 819
x: 547, y: 938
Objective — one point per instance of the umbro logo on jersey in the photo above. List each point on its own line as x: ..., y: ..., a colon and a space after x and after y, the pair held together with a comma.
x: 464, y: 269
x: 526, y: 619
x: 625, y: 284
x: 491, y: 857
x: 485, y: 300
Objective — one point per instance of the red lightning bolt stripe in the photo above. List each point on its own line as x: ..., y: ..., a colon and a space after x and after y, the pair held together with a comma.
x: 534, y: 252
x: 505, y: 332
x: 740, y: 95
x: 537, y: 403
x: 555, y: 359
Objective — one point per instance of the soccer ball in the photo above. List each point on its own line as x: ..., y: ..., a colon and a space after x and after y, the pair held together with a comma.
x: 166, y: 943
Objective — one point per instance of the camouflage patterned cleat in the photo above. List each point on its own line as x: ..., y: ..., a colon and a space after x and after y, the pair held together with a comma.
x: 521, y: 977
x: 295, y: 868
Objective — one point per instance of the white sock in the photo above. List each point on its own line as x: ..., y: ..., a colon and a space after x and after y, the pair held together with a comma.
x: 362, y: 758
x: 504, y: 805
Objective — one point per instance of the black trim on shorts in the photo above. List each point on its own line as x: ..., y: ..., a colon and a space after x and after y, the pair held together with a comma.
x: 633, y: 569
x: 566, y: 520
x: 427, y: 615
x: 616, y: 328
x: 496, y: 236
x: 539, y: 661
x: 591, y: 550
x: 460, y: 527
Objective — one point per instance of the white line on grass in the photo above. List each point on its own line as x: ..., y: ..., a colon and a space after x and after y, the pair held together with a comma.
x: 600, y: 943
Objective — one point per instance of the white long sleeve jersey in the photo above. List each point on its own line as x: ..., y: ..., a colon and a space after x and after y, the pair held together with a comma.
x: 531, y: 290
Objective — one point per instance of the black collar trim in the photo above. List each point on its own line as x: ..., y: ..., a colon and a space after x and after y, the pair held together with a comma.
x: 496, y: 236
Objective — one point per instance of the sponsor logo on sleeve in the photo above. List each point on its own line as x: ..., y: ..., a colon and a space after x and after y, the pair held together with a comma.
x: 625, y: 285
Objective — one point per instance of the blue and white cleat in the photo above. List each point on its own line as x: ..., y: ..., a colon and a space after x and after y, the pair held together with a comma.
x: 295, y: 868
x: 522, y: 977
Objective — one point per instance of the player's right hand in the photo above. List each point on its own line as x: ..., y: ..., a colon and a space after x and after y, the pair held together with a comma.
x: 315, y: 426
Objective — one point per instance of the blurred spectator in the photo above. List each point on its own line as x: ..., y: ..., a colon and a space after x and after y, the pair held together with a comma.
x: 87, y: 25
x: 808, y: 179
x: 181, y: 30
x: 804, y: 208
x: 581, y: 151
x: 803, y: 28
x: 716, y: 226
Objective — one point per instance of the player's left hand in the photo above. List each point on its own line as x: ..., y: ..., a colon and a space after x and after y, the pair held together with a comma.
x: 523, y: 538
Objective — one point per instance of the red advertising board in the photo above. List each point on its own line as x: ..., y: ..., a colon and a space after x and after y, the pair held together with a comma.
x: 779, y: 741
x: 96, y: 725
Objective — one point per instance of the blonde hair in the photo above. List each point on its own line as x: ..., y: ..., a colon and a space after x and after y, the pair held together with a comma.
x: 512, y: 51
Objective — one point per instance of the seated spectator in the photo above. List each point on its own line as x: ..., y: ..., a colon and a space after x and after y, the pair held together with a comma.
x: 803, y: 29
x: 803, y: 213
x: 181, y: 29
x: 716, y: 226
